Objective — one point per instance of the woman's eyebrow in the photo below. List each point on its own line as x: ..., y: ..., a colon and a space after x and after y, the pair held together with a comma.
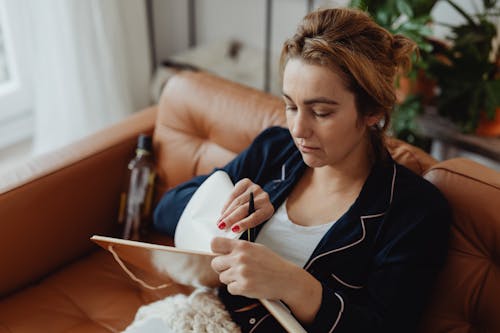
x: 286, y: 96
x: 320, y: 100
x: 315, y: 100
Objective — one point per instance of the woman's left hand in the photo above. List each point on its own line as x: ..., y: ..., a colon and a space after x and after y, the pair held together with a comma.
x: 251, y: 269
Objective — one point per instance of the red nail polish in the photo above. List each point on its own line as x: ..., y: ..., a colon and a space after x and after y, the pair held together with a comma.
x: 221, y: 225
x: 236, y: 228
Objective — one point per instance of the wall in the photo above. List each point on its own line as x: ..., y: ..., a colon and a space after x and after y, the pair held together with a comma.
x: 245, y: 20
x: 224, y: 19
x: 218, y: 21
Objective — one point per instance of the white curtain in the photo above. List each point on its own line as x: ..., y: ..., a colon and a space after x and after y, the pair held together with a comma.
x: 91, y: 66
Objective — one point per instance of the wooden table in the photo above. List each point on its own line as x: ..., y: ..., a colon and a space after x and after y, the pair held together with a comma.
x: 447, y: 139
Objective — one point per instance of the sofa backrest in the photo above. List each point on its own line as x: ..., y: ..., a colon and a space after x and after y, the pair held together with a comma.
x: 467, y: 293
x: 204, y: 121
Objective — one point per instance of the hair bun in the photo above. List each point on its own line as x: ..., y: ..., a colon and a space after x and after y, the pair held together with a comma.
x: 402, y: 49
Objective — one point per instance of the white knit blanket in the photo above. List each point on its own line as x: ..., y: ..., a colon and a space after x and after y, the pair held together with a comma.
x: 200, y: 312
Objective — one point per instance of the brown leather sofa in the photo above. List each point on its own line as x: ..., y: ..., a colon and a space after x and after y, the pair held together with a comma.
x: 53, y: 279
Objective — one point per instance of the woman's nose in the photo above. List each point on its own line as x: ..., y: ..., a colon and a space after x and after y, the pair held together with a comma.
x: 301, y: 127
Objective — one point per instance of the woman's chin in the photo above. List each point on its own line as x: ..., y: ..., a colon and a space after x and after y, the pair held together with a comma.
x: 313, y: 162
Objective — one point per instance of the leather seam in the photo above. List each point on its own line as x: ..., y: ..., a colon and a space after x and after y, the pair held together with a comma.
x: 460, y: 174
x: 471, y: 242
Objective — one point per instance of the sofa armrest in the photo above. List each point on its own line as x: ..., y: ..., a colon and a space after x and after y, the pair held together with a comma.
x: 50, y: 206
x: 466, y: 292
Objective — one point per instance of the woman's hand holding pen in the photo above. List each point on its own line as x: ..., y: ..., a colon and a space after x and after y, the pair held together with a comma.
x: 235, y: 215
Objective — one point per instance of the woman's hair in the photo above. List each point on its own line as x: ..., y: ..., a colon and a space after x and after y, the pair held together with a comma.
x: 365, y: 55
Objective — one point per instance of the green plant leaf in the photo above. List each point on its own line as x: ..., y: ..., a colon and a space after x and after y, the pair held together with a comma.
x: 361, y: 4
x: 382, y: 18
x: 422, y: 7
x: 489, y: 4
x: 404, y: 8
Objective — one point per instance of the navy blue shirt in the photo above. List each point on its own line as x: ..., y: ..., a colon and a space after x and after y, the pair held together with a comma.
x: 376, y: 263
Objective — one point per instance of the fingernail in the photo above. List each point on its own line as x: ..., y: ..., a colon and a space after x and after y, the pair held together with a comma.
x: 221, y: 225
x: 236, y: 228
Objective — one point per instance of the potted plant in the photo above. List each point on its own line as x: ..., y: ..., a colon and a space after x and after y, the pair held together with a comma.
x: 467, y: 72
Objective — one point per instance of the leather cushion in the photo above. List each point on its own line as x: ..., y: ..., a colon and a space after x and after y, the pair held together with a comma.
x: 91, y: 295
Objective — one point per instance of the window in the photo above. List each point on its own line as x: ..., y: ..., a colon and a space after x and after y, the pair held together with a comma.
x: 16, y: 114
x: 7, y: 79
x: 4, y: 68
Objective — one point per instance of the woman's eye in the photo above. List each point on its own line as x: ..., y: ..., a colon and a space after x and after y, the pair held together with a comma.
x: 290, y: 108
x: 322, y: 114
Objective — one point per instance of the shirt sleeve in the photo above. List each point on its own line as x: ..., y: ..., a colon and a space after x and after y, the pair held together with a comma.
x: 399, y: 284
x: 251, y: 163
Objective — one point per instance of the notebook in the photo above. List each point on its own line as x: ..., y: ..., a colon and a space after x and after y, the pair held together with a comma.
x: 189, y: 261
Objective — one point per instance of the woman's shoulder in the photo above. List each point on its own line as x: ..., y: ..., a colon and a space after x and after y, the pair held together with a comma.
x: 417, y: 192
x: 268, y: 151
x: 274, y: 140
x: 274, y: 134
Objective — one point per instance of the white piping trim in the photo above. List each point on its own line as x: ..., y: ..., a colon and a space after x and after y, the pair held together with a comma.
x: 259, y: 322
x: 393, y: 181
x: 362, y: 219
x: 283, y: 173
x: 372, y: 216
x: 340, y: 313
x: 345, y: 283
x: 341, y: 248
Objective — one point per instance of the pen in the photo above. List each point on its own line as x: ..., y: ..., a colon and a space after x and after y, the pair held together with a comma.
x: 251, y: 209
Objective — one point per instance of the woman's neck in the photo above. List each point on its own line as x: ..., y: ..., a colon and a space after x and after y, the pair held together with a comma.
x: 347, y: 176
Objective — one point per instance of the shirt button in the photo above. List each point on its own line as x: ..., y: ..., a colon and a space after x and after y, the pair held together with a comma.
x: 252, y: 321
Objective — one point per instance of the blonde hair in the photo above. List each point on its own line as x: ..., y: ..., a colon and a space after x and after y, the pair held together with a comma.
x: 367, y: 56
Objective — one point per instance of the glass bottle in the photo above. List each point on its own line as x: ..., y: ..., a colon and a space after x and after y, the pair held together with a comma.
x: 136, y: 200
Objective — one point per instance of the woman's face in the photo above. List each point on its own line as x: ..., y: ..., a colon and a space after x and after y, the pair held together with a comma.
x: 321, y: 115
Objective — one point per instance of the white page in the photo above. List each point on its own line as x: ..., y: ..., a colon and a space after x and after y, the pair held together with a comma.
x: 198, y: 223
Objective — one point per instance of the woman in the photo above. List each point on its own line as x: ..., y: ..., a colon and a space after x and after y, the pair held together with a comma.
x: 348, y: 239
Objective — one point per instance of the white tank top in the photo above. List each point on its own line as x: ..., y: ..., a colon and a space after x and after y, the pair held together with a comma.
x: 291, y: 241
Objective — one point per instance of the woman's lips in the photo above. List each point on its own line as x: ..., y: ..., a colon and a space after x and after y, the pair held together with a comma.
x: 307, y: 149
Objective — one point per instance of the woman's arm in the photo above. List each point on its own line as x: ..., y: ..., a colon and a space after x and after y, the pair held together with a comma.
x: 254, y: 163
x: 169, y: 210
x: 303, y: 296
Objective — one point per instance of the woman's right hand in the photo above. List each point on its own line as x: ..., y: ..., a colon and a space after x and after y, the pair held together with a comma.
x: 234, y: 214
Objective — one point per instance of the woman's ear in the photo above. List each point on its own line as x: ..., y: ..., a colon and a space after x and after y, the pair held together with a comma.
x: 372, y: 119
